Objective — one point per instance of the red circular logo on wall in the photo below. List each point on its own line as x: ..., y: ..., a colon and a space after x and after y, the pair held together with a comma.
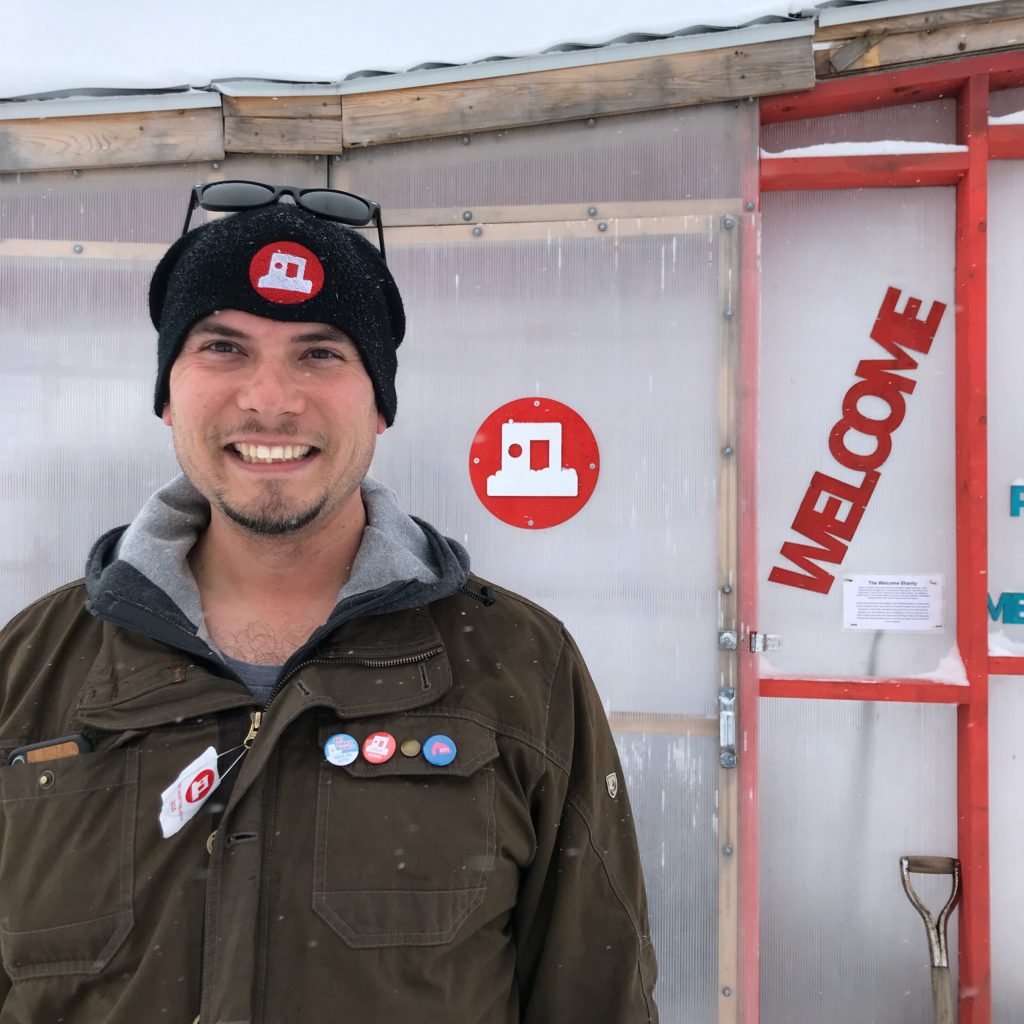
x: 534, y: 463
x: 286, y: 272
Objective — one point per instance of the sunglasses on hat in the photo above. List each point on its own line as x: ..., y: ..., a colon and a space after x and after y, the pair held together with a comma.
x: 329, y: 203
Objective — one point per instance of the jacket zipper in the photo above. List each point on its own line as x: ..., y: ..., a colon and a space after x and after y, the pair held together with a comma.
x: 255, y: 721
x: 409, y: 659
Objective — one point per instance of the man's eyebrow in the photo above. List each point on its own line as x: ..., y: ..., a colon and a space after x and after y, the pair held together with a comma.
x: 325, y: 333
x: 213, y: 327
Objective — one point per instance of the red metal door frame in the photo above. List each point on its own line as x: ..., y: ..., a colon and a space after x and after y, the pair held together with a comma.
x: 970, y: 81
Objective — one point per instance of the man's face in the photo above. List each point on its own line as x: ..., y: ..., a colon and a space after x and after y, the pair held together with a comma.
x: 274, y: 423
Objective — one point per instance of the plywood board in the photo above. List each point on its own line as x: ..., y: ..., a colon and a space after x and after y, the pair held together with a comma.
x: 542, y: 97
x: 883, y: 50
x: 282, y: 106
x: 925, y: 21
x: 112, y: 140
x: 300, y: 136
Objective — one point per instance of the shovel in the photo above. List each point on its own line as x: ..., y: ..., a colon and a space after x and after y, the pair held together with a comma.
x: 942, y: 983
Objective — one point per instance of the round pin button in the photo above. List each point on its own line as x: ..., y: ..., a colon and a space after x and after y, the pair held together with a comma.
x: 379, y: 747
x: 440, y: 750
x: 341, y: 749
x: 410, y: 747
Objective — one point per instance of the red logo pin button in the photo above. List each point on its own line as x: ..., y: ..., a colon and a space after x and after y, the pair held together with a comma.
x: 286, y: 272
x: 534, y: 463
x: 379, y: 747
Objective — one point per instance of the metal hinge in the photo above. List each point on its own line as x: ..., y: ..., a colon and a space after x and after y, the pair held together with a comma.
x: 727, y: 727
x: 760, y: 642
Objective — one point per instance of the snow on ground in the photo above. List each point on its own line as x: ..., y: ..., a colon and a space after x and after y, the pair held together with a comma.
x: 53, y: 45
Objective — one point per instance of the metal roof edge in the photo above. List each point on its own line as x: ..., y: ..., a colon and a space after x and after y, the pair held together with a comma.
x: 880, y: 9
x: 84, y: 106
x: 501, y: 67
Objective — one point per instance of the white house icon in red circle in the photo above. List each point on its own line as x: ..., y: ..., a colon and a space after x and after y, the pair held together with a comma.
x: 200, y: 786
x: 523, y: 445
x: 534, y: 463
x: 287, y: 273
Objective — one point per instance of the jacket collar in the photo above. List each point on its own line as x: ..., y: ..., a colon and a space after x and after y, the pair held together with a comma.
x: 138, y: 576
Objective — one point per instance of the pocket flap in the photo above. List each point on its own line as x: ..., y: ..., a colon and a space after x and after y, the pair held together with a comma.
x: 475, y: 745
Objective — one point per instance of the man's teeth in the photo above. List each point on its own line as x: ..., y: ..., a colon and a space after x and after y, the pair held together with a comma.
x: 272, y: 453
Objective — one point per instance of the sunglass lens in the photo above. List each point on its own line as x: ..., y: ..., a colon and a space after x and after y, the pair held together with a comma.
x: 234, y: 195
x: 338, y: 205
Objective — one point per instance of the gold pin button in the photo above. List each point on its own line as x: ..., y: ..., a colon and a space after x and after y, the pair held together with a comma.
x: 209, y: 843
x: 46, y: 779
x: 410, y: 747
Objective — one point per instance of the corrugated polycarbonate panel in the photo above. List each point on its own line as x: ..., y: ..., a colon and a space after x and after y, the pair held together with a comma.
x: 672, y: 783
x: 828, y: 260
x: 847, y: 788
x: 1005, y: 411
x: 1006, y: 830
x: 84, y: 449
x: 1006, y: 101
x: 913, y: 122
x: 692, y: 153
x: 625, y: 329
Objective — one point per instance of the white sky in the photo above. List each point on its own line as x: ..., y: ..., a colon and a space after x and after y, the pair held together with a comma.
x: 49, y: 45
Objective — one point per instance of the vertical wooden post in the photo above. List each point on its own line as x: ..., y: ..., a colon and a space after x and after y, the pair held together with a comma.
x: 972, y: 551
x: 730, y: 835
x: 749, y: 696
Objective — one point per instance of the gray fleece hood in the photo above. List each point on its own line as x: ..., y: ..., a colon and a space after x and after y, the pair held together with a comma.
x: 138, y: 576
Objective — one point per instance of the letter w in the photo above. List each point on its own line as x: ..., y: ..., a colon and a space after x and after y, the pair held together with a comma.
x: 803, y: 556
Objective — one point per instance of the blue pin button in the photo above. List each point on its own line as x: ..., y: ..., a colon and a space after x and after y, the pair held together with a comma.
x: 440, y: 750
x: 341, y: 749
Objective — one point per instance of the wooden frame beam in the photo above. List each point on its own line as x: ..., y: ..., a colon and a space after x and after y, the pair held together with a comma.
x: 565, y: 94
x: 1006, y: 141
x: 892, y: 88
x: 887, y: 171
x: 867, y: 47
x: 910, y: 690
x: 111, y: 140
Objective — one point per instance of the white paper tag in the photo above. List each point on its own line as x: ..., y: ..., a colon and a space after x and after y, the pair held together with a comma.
x: 188, y: 792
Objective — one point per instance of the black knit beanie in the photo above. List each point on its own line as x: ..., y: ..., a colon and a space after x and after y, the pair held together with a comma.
x: 285, y: 264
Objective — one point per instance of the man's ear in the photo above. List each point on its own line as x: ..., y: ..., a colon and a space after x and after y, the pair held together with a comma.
x: 381, y: 424
x: 166, y: 414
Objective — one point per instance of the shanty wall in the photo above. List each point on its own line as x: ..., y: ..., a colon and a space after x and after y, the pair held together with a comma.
x: 589, y: 263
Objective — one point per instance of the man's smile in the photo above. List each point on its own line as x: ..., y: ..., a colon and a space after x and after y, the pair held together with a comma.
x: 268, y: 454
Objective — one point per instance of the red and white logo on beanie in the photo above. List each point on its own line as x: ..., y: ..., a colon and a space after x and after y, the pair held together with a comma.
x: 286, y: 272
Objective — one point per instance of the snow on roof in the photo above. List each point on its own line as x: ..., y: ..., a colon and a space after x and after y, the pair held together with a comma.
x: 118, y: 46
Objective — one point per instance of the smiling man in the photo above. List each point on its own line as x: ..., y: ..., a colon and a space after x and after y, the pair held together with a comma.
x: 280, y: 757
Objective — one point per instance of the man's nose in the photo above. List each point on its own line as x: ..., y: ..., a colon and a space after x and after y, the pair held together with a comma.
x: 272, y: 388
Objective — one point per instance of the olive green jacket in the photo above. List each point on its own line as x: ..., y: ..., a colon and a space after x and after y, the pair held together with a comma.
x: 502, y: 888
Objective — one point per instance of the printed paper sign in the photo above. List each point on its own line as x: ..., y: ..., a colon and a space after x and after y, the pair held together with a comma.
x: 188, y: 792
x: 910, y: 603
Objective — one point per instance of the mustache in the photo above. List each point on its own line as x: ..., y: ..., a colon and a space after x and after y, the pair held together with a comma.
x: 255, y: 426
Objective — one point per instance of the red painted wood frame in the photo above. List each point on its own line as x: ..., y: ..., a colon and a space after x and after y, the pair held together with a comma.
x: 971, y: 82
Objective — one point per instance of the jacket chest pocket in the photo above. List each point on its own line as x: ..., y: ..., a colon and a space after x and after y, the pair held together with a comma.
x: 66, y: 862
x: 404, y: 848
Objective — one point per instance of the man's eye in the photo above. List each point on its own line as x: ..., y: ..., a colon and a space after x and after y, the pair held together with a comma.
x: 323, y: 353
x: 222, y: 346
